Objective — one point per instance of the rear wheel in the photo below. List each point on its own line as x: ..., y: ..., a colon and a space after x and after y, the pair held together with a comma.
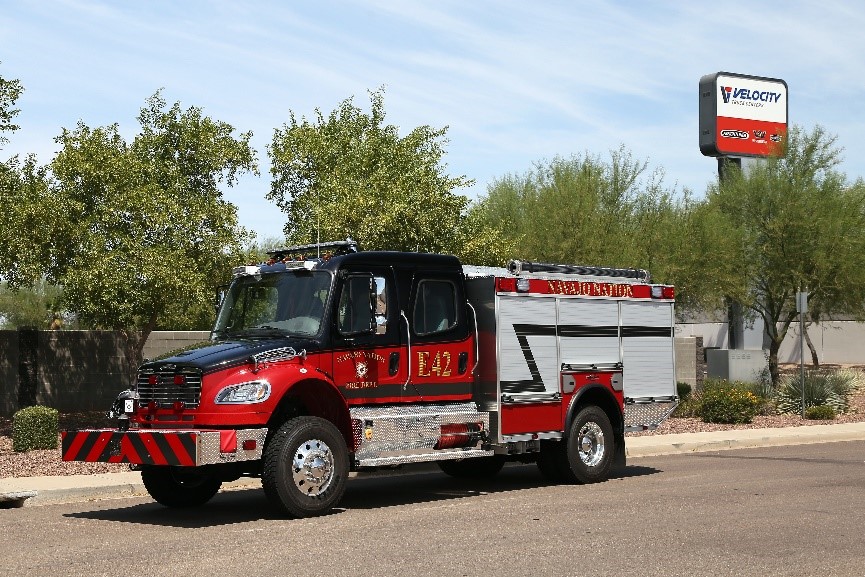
x: 305, y: 467
x: 591, y: 446
x: 180, y: 486
x: 478, y: 467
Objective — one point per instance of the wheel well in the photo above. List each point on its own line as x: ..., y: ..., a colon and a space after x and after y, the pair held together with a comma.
x: 602, y: 398
x: 314, y: 398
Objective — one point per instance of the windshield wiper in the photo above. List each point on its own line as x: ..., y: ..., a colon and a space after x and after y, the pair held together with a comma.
x: 260, y: 331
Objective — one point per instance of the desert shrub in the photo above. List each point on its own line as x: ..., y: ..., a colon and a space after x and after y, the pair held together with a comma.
x: 683, y: 390
x: 730, y: 403
x: 34, y: 428
x: 690, y: 407
x: 820, y: 413
x: 831, y: 389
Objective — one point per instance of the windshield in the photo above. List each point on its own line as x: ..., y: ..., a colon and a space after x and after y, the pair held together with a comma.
x: 275, y: 304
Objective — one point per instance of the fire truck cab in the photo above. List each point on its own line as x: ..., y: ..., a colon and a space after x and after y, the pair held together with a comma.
x: 358, y: 361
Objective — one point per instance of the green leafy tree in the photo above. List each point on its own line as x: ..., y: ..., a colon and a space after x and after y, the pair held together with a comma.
x: 37, y: 306
x: 10, y: 91
x: 801, y: 226
x: 587, y: 210
x: 577, y: 209
x: 137, y: 233
x: 350, y: 174
x: 26, y: 214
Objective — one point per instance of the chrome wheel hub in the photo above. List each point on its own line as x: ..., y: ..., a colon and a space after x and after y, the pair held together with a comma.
x: 591, y: 444
x: 312, y: 467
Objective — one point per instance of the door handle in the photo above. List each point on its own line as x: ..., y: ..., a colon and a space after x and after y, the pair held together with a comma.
x: 393, y: 365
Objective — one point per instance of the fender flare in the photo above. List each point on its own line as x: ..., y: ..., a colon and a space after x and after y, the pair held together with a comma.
x: 315, y: 395
x: 600, y: 396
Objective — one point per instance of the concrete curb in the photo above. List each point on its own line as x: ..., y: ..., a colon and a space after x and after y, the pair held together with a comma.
x: 76, y: 488
x: 35, y: 491
x: 741, y: 439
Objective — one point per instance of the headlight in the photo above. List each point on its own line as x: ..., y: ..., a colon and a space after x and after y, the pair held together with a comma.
x: 251, y: 392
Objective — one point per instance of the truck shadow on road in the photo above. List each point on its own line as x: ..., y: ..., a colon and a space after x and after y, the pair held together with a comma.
x: 363, y: 493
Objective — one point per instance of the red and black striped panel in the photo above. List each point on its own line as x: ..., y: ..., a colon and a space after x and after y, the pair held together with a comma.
x: 137, y: 447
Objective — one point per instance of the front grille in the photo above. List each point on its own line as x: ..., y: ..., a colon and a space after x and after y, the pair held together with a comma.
x: 168, y: 384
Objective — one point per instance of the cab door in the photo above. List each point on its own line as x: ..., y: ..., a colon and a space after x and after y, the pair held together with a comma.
x: 442, y: 351
x: 369, y: 363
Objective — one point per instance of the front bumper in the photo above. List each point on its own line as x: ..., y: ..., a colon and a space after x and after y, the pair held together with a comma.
x: 186, y: 448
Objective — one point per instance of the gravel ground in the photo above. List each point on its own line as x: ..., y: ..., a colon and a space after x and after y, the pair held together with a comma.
x: 48, y: 462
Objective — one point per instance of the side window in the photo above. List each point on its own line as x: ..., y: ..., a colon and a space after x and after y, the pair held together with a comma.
x: 355, y: 305
x: 434, y: 307
x: 380, y: 305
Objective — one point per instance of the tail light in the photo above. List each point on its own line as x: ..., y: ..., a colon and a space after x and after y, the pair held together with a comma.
x: 663, y: 292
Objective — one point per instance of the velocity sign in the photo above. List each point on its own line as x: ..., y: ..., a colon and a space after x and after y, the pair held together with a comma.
x: 742, y: 115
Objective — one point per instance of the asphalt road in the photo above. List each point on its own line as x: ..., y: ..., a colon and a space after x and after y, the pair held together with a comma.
x: 789, y: 511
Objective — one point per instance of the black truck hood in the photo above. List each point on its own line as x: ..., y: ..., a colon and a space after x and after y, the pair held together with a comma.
x: 216, y: 356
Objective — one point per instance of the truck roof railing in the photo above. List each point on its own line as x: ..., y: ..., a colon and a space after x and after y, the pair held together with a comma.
x: 518, y: 267
x: 314, y: 250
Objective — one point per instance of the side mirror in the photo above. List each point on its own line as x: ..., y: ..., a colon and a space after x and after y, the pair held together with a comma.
x: 221, y: 291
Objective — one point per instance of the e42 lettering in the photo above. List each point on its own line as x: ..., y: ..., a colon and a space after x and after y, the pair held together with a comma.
x: 437, y: 363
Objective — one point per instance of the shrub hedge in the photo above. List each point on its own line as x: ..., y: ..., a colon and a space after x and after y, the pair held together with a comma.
x: 728, y: 403
x: 34, y: 428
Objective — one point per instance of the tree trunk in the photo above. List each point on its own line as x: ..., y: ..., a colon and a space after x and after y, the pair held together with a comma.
x: 133, y: 348
x: 774, y: 346
x: 815, y: 361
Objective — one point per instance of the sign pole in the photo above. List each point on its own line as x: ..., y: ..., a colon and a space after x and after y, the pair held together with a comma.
x: 802, y: 308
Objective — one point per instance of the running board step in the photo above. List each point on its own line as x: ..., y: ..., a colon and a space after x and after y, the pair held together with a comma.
x: 424, y: 457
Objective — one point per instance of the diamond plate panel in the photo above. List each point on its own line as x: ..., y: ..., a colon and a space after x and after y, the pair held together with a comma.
x: 642, y: 416
x: 210, y: 446
x: 404, y: 434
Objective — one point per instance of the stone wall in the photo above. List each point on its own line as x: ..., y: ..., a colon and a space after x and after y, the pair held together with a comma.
x: 8, y: 372
x: 74, y: 370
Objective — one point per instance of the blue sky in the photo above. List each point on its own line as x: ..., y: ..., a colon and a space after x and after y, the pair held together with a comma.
x: 515, y: 82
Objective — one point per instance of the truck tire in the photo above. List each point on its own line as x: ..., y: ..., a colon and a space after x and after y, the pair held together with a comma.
x: 305, y: 467
x: 476, y: 468
x: 588, y: 455
x: 179, y: 486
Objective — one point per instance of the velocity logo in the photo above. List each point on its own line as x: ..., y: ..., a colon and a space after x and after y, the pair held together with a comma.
x: 748, y: 97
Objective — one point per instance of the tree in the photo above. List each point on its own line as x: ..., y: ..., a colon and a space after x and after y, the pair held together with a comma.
x: 37, y: 307
x: 801, y: 227
x: 349, y: 174
x: 10, y: 91
x: 587, y: 210
x: 137, y: 233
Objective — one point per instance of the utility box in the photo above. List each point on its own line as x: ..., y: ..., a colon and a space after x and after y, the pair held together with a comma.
x: 736, y: 365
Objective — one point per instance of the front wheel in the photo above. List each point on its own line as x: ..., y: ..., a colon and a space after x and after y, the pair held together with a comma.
x: 180, y: 486
x: 305, y: 467
x: 590, y: 448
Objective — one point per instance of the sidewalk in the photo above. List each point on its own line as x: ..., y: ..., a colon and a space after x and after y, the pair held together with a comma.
x: 30, y: 491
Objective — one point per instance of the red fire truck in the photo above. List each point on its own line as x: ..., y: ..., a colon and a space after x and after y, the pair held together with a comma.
x: 359, y: 361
